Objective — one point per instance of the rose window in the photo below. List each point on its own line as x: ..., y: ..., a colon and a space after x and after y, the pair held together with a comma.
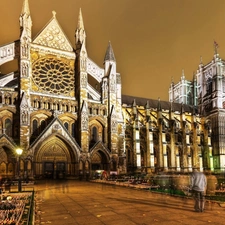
x: 53, y: 76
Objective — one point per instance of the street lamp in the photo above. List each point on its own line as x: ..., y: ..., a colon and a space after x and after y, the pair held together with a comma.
x: 19, y: 152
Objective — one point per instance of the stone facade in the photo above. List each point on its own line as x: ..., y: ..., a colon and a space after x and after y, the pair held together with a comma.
x: 208, y: 87
x: 70, y: 118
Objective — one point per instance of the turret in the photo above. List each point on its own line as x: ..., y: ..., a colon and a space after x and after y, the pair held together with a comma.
x: 110, y: 59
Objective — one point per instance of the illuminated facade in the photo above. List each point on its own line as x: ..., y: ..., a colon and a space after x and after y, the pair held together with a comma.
x: 69, y: 115
x: 207, y: 91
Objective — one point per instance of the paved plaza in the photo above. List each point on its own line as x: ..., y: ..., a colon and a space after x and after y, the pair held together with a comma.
x: 88, y: 203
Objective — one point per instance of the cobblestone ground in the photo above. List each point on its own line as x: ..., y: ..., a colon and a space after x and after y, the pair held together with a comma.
x: 89, y: 203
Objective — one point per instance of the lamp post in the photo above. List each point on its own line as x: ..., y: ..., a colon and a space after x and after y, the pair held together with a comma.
x: 19, y: 152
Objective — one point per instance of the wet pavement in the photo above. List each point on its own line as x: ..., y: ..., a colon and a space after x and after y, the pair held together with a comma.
x: 89, y: 203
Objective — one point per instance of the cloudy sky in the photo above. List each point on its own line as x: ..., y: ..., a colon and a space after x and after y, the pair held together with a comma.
x: 153, y: 40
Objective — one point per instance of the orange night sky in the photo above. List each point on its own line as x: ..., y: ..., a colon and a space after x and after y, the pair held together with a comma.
x: 153, y: 40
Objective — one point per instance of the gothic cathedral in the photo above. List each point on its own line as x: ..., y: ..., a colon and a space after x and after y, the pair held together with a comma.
x: 69, y: 116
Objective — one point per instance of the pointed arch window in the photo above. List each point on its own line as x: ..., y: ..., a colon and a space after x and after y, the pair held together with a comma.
x: 35, y: 127
x: 95, y: 134
x: 8, y: 127
x: 209, y: 86
x: 66, y: 125
x: 73, y: 129
x: 43, y: 125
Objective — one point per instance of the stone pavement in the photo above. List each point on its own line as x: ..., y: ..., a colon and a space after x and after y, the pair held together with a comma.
x: 88, y: 203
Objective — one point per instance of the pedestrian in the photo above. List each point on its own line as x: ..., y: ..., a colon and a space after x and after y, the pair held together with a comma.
x: 198, y: 187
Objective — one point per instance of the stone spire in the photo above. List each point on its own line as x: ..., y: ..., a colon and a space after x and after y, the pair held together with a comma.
x: 25, y: 20
x: 109, y: 56
x: 25, y: 8
x: 80, y: 35
x: 80, y: 24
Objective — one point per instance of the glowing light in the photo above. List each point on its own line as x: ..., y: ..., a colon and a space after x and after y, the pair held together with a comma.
x: 19, y: 151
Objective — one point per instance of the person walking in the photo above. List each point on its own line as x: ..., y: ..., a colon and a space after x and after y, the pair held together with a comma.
x: 198, y: 186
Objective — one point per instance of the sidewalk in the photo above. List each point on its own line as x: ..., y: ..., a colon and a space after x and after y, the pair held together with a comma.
x: 89, y: 203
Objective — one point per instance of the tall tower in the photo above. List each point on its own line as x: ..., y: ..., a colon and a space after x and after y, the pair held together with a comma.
x: 183, y: 91
x: 110, y: 73
x: 81, y: 81
x: 211, y: 92
x: 25, y: 73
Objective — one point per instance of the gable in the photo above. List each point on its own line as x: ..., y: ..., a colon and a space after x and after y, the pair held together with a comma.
x: 55, y: 128
x: 7, y: 141
x: 53, y: 36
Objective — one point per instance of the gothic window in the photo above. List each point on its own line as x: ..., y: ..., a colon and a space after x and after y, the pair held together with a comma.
x: 95, y: 134
x: 209, y: 86
x: 73, y: 129
x: 8, y: 127
x: 35, y: 127
x: 66, y: 125
x: 168, y: 156
x: 53, y: 75
x: 43, y: 125
x: 180, y: 137
x: 189, y: 98
x: 155, y: 138
x: 168, y: 137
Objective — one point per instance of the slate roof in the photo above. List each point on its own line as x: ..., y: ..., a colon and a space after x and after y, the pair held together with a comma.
x: 165, y: 105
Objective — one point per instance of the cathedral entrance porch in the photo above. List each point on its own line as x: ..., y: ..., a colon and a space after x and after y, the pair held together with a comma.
x: 55, y: 160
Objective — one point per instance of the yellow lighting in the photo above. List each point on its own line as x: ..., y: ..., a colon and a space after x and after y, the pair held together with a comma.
x: 19, y: 151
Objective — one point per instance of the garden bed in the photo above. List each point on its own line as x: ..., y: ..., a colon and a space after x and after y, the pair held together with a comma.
x: 16, y: 208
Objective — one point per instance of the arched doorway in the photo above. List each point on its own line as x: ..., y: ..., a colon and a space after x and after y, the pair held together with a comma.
x: 99, y: 161
x: 7, y: 162
x: 55, y: 159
